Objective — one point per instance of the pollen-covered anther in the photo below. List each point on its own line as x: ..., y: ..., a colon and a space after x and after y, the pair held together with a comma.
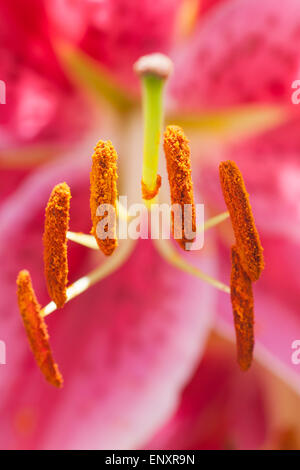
x: 246, y: 235
x: 103, y: 179
x: 242, y: 305
x: 149, y: 194
x: 55, y: 243
x: 36, y: 329
x: 177, y: 152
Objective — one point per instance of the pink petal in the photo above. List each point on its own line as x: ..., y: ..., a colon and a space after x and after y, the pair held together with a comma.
x: 119, y: 32
x: 42, y: 106
x: 207, y: 5
x: 125, y: 347
x: 71, y: 21
x: 244, y: 51
x: 11, y: 178
x: 220, y: 407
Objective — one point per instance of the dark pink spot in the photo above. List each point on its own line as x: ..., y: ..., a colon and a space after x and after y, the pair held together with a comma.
x: 276, y: 87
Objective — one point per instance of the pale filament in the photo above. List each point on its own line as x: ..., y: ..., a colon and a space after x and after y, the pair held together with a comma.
x: 83, y: 239
x: 218, y: 219
x: 171, y: 255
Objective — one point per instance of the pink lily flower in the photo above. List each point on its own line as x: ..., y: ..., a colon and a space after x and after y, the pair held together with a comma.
x: 130, y: 348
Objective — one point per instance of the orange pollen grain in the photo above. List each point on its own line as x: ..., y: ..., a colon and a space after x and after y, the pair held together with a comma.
x: 55, y: 243
x: 242, y: 305
x: 149, y: 194
x: 178, y: 159
x: 36, y: 329
x: 246, y: 235
x: 103, y: 179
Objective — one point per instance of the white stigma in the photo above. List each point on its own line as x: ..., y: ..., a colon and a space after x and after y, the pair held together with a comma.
x: 154, y: 64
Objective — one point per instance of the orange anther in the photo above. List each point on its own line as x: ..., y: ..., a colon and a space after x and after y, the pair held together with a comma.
x: 36, y: 329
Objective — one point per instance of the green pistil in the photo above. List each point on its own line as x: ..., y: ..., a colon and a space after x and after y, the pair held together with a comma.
x: 153, y: 70
x: 153, y: 117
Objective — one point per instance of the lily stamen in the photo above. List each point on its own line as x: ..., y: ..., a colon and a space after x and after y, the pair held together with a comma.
x: 242, y: 305
x: 103, y: 179
x: 247, y: 260
x: 246, y: 235
x: 55, y: 243
x: 36, y: 329
x: 178, y: 158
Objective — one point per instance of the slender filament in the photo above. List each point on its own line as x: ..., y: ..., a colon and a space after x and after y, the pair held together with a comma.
x: 169, y: 253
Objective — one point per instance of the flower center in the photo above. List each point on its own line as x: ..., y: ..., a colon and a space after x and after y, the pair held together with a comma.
x: 247, y: 258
